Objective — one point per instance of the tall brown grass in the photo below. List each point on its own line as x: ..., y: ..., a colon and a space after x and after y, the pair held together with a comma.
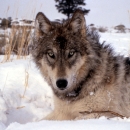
x: 19, y: 39
x: 20, y: 36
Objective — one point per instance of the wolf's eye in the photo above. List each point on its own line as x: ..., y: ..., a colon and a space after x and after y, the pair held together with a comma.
x: 51, y: 54
x: 71, y: 53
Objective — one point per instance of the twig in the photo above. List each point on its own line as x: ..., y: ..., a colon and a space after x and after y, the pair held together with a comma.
x: 26, y: 82
x: 100, y: 112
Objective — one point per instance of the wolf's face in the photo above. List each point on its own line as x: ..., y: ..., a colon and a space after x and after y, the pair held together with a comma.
x: 60, y: 52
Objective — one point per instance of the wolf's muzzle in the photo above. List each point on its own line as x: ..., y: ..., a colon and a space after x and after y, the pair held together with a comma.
x: 61, y: 84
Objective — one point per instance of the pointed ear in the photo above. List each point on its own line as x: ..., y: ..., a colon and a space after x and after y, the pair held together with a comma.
x: 42, y: 25
x: 78, y: 23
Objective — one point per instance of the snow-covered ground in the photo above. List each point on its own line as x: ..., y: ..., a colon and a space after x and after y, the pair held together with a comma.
x: 25, y: 98
x: 119, y: 41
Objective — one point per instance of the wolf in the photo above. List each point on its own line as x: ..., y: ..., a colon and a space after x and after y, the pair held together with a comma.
x: 87, y: 78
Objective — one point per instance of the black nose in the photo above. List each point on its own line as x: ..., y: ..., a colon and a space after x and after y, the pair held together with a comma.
x: 61, y: 84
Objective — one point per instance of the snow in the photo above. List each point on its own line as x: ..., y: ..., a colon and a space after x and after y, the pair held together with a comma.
x: 2, y: 126
x: 119, y: 41
x: 75, y: 125
x: 25, y: 98
x: 24, y: 92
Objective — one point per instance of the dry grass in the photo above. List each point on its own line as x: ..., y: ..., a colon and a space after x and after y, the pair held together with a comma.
x: 18, y: 41
x: 120, y: 28
x: 93, y: 29
x: 102, y: 29
x: 26, y: 82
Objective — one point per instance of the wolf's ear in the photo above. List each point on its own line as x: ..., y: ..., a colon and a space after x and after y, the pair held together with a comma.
x: 78, y: 23
x: 42, y: 24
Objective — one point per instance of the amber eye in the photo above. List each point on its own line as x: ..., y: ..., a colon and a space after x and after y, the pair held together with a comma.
x: 51, y: 54
x: 71, y: 53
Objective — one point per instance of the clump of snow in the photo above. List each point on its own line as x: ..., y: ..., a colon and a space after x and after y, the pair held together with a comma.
x: 27, y: 95
x: 91, y: 93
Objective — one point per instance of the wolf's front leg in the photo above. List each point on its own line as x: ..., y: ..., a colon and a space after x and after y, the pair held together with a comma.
x: 55, y: 115
x: 51, y: 116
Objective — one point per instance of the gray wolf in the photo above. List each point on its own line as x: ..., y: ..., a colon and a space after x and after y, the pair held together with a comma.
x: 87, y: 79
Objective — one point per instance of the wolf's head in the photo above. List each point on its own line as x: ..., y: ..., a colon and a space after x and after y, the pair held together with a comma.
x: 62, y: 53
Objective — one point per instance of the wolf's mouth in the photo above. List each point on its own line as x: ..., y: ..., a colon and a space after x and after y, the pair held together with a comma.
x: 74, y: 93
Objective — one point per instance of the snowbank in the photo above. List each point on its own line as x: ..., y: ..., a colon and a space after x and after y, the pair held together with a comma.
x: 100, y: 124
x: 24, y: 95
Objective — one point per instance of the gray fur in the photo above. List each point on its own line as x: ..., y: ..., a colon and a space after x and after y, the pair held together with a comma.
x: 98, y: 80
